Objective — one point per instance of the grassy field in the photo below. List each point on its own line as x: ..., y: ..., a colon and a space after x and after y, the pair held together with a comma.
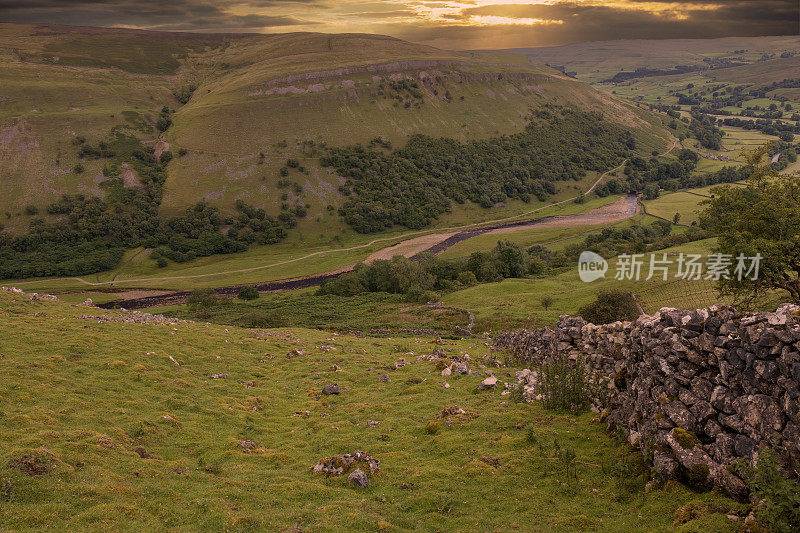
x: 304, y: 309
x: 103, y: 431
x: 684, y: 203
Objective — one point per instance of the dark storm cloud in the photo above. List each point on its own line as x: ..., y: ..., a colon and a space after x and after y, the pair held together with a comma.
x: 157, y: 14
x: 593, y: 21
x: 448, y: 24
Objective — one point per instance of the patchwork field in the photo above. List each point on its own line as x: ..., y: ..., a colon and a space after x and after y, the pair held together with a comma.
x: 596, y: 61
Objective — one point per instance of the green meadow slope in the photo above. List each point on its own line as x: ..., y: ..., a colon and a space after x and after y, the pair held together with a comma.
x: 260, y: 100
x: 114, y: 424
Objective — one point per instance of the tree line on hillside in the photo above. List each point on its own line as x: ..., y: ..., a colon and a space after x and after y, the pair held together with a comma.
x: 421, y: 278
x: 418, y: 278
x: 669, y: 173
x: 611, y: 242
x: 93, y: 235
x: 90, y: 235
x: 414, y: 185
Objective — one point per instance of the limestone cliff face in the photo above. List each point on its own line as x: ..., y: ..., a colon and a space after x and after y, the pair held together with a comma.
x: 696, y: 389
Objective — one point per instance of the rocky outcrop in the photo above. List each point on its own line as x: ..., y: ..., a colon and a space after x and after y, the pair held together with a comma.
x: 694, y: 389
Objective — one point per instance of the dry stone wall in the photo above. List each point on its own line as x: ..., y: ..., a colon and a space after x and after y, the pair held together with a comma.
x: 695, y: 390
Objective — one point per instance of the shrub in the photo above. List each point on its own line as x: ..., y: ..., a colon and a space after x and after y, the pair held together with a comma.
x: 420, y: 296
x: 564, y: 385
x: 31, y: 210
x: 610, y: 306
x: 78, y: 169
x: 247, y: 293
x: 161, y: 262
x: 467, y: 278
x: 163, y: 122
x: 261, y: 319
x: 780, y: 512
x: 202, y: 299
x: 547, y: 302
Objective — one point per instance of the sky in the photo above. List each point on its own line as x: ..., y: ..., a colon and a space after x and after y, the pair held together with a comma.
x: 460, y: 24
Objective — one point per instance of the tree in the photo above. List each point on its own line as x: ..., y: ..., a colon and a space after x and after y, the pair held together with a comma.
x: 651, y: 191
x: 510, y: 259
x: 676, y: 219
x: 760, y: 218
x: 610, y: 306
x: 547, y: 301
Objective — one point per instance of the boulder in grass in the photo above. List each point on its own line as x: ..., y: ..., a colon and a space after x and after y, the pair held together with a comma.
x: 488, y: 383
x: 358, y: 478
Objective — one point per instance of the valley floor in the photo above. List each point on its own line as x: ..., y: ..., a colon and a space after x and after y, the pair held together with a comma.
x: 114, y: 421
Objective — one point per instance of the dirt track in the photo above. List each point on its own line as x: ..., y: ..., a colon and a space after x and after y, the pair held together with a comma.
x: 434, y: 243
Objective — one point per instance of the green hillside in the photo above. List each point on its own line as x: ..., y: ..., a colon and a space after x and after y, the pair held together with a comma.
x: 259, y: 100
x: 134, y: 424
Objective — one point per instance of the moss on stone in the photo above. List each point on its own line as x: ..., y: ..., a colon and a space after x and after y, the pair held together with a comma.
x: 697, y: 475
x: 686, y: 439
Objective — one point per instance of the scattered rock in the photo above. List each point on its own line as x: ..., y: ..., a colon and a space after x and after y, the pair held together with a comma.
x: 453, y: 410
x: 223, y: 375
x: 339, y: 464
x: 488, y: 383
x: 372, y: 424
x: 460, y: 367
x: 332, y: 388
x: 247, y: 445
x: 384, y: 379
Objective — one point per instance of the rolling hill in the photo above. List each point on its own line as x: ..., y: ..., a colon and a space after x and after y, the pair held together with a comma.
x: 241, y: 106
